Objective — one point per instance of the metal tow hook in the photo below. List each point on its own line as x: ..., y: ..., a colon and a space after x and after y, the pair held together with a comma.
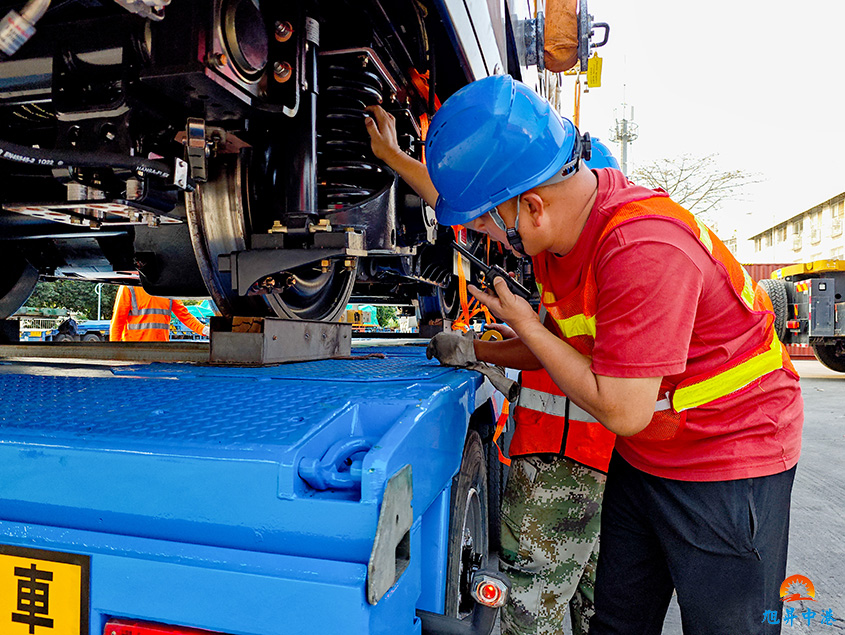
x: 338, y: 468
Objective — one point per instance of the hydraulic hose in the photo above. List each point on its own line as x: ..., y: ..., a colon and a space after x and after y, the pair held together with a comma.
x: 71, y: 158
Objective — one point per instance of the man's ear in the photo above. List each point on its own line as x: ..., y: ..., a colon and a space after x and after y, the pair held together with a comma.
x: 533, y: 204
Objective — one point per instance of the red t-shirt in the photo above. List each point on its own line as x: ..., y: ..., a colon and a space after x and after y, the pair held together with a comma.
x: 666, y: 309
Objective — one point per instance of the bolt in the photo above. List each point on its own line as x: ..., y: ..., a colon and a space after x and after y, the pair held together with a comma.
x: 282, y: 72
x: 216, y: 60
x: 283, y: 31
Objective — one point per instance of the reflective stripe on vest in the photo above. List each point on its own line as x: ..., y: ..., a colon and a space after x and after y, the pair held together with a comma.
x: 136, y: 312
x: 144, y: 326
x: 555, y: 405
x: 699, y: 393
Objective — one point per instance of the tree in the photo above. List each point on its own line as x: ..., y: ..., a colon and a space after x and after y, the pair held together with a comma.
x: 386, y: 317
x: 74, y: 295
x: 696, y: 183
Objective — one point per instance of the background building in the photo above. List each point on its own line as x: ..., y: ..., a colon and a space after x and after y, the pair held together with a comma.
x: 815, y: 234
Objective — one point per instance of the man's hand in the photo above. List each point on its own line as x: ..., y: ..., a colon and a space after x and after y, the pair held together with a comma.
x: 506, y: 306
x: 381, y: 126
x: 206, y: 330
x: 452, y: 348
x: 504, y: 330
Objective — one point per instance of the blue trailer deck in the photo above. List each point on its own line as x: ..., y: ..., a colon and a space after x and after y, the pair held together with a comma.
x: 243, y: 501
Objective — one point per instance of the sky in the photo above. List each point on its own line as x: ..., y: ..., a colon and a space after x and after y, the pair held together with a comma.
x: 759, y: 84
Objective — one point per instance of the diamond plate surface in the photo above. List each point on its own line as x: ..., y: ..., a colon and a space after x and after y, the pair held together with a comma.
x: 208, y: 405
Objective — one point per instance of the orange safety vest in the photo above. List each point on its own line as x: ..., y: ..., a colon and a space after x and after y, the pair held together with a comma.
x: 148, y: 320
x: 575, y: 318
x: 140, y: 317
x: 546, y: 422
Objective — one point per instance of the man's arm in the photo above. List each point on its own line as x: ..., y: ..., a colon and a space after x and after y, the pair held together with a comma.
x: 624, y: 406
x: 184, y: 316
x: 381, y: 126
x: 511, y: 352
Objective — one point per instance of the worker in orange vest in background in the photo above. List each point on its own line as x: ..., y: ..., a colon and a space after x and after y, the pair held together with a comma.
x: 141, y: 317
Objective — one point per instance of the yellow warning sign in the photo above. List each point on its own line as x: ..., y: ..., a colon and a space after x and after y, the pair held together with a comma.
x: 43, y: 592
x: 594, y: 71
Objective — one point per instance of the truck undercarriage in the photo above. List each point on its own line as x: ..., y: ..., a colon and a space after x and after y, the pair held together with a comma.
x: 219, y: 148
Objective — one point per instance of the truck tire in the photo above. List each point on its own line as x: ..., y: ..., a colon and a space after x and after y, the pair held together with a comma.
x: 831, y: 355
x: 468, y: 526
x: 776, y: 290
x: 17, y: 282
x: 495, y: 489
x: 92, y: 337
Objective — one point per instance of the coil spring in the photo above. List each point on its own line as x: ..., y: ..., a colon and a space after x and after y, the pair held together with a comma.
x: 347, y: 171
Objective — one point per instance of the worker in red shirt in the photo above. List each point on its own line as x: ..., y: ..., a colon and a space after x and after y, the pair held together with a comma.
x: 559, y: 456
x: 656, y: 331
x: 141, y: 317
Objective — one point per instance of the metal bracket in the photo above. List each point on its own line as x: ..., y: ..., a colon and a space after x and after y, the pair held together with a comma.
x: 256, y: 341
x: 248, y: 267
x: 391, y: 552
x: 180, y: 174
x: 585, y: 34
x: 195, y: 149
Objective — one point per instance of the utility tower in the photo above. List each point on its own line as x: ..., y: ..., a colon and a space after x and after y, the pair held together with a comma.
x: 625, y: 132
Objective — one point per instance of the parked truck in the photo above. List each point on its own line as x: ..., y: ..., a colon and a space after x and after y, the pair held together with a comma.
x: 809, y: 309
x: 217, y: 148
x: 341, y: 496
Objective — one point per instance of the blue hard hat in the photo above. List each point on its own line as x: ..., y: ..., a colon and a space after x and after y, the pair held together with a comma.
x: 601, y: 156
x: 492, y: 140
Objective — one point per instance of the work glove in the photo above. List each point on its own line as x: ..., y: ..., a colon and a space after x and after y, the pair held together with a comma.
x: 452, y: 349
x: 206, y: 330
x: 501, y: 382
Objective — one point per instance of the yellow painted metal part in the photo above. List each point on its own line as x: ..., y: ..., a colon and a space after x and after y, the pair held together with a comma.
x: 594, y: 71
x: 817, y: 266
x: 492, y: 336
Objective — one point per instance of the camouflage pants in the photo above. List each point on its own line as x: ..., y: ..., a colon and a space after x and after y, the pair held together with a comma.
x: 551, y: 514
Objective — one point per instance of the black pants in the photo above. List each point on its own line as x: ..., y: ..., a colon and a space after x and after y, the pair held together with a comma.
x: 721, y: 545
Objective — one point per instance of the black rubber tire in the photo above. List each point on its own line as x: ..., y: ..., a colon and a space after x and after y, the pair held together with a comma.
x: 17, y: 281
x: 831, y: 355
x: 92, y: 337
x: 776, y: 290
x: 468, y: 525
x: 495, y: 490
x: 63, y: 337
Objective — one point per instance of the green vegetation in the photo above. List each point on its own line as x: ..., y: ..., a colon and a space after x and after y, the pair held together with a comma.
x: 74, y: 295
x: 386, y: 317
